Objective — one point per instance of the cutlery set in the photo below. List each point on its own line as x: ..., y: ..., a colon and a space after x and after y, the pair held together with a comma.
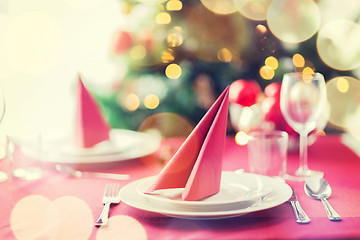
x: 314, y: 187
x: 319, y: 189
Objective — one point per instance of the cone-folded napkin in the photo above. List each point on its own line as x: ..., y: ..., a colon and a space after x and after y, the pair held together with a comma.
x: 197, y: 165
x: 90, y: 125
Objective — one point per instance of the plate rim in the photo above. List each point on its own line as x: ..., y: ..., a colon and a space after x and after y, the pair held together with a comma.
x: 285, y: 196
x: 198, y: 204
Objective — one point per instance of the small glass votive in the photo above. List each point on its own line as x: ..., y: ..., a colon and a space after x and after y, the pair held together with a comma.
x: 267, y: 152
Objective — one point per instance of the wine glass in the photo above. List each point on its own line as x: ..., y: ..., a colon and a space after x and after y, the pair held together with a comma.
x: 3, y: 175
x: 302, y: 98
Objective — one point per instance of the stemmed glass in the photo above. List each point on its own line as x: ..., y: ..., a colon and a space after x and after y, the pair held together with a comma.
x: 3, y: 175
x: 302, y: 98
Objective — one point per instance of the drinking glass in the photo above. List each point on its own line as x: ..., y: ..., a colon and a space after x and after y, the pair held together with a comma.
x: 3, y: 175
x: 24, y: 166
x: 267, y: 152
x: 302, y: 97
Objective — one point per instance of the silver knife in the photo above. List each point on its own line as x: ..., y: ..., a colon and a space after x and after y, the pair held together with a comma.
x: 75, y: 173
x: 300, y: 215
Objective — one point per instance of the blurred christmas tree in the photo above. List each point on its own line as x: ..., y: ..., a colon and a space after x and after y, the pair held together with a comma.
x: 177, y: 56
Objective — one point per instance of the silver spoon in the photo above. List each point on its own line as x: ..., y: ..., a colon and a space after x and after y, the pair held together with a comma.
x: 75, y: 173
x: 318, y: 188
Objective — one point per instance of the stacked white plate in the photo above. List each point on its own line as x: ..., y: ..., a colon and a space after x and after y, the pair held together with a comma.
x: 122, y: 145
x: 239, y: 194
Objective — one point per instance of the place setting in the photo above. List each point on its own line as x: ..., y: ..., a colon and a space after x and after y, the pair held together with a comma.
x: 192, y: 185
x: 92, y: 141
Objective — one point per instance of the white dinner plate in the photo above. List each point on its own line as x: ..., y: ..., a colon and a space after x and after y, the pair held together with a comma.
x: 232, y: 195
x: 273, y: 193
x: 119, y: 141
x: 123, y: 145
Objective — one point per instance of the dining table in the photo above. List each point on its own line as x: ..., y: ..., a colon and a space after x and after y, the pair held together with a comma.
x: 60, y: 206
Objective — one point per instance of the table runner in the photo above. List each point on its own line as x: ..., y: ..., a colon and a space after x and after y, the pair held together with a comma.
x: 340, y: 165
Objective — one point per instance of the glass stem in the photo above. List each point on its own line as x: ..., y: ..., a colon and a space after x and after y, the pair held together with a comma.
x: 303, y: 153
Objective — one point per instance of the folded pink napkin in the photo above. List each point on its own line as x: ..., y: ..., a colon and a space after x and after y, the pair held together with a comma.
x: 197, y: 165
x: 90, y: 126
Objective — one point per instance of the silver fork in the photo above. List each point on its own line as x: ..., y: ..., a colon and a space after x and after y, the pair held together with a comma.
x: 111, y: 196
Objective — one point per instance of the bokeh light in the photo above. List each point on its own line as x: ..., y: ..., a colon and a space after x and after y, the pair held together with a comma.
x: 30, y: 38
x: 253, y: 9
x: 224, y: 55
x: 338, y: 44
x: 132, y: 102
x: 267, y: 72
x: 138, y: 52
x: 241, y: 138
x: 293, y: 21
x: 173, y: 71
x: 344, y: 100
x: 272, y: 62
x: 151, y: 101
x: 163, y: 18
x: 179, y: 29
x: 174, y: 5
x: 122, y: 227
x: 143, y: 92
x: 342, y: 84
x: 174, y: 39
x: 308, y: 71
x: 167, y: 56
x: 298, y: 60
x: 27, y: 217
x: 67, y: 212
x: 261, y: 29
x: 220, y: 7
x: 36, y: 217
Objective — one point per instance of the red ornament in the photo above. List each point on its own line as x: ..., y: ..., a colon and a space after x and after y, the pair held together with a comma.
x: 271, y: 110
x: 273, y: 90
x: 244, y: 92
x: 123, y: 42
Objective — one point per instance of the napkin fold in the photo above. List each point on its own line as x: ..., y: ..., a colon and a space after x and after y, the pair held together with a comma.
x: 197, y: 165
x: 90, y: 126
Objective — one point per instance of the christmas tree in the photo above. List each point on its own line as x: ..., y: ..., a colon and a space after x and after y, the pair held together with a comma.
x: 177, y: 56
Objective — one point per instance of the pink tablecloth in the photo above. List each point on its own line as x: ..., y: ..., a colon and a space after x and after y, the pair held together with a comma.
x: 328, y: 154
